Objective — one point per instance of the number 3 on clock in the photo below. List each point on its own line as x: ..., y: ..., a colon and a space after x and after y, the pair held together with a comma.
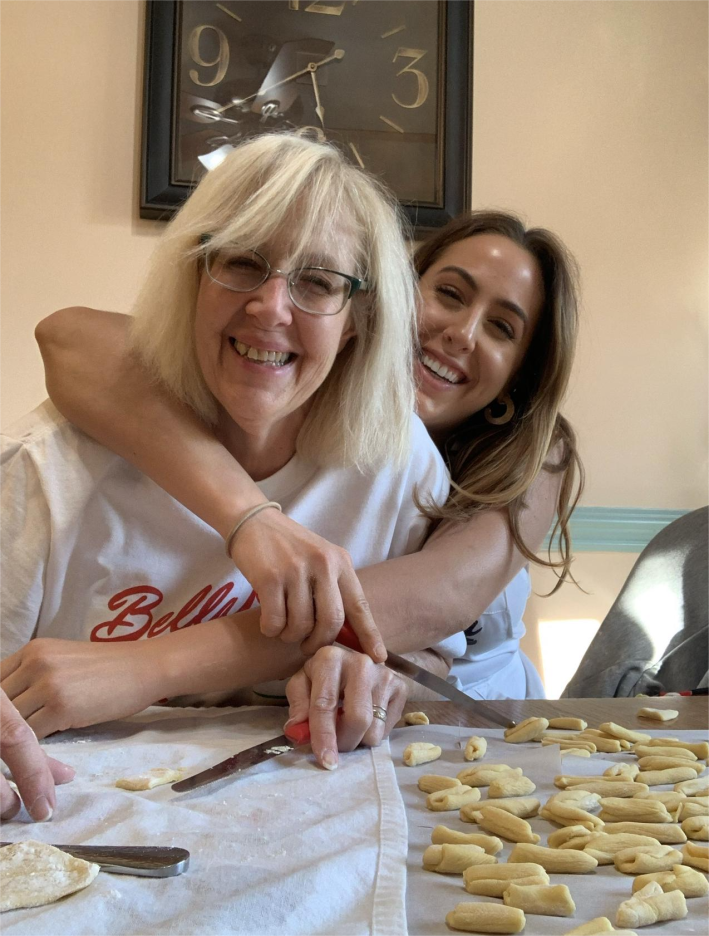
x: 334, y: 9
x: 422, y: 81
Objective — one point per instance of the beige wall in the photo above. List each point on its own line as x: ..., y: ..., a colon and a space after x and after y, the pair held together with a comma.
x: 70, y: 121
x: 590, y: 117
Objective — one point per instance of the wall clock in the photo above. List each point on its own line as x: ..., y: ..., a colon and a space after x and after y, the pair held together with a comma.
x: 387, y: 81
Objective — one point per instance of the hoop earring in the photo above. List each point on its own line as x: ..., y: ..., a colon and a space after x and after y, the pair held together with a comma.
x: 504, y: 400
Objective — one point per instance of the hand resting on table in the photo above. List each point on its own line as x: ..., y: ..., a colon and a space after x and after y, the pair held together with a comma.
x: 56, y: 685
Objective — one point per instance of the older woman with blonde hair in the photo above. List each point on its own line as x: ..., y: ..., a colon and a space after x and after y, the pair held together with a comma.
x: 497, y: 332
x: 279, y: 310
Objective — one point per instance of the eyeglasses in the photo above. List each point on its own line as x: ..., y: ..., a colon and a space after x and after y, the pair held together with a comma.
x: 313, y: 289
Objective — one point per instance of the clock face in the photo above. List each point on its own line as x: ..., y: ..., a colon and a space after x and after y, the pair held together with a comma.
x: 366, y: 75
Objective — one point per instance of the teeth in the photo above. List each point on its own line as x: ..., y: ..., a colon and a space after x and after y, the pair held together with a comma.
x: 440, y: 369
x: 256, y: 354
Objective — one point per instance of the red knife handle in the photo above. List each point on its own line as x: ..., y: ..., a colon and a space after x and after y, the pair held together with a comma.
x: 348, y: 638
x: 300, y: 732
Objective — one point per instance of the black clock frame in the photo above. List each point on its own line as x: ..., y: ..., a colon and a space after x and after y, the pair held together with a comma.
x: 160, y: 198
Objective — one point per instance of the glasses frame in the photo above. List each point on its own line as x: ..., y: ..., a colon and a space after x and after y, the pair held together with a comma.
x: 355, y: 283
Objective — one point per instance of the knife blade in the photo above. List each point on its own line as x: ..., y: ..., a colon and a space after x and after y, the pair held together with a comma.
x: 274, y: 747
x: 399, y: 664
x: 139, y: 860
x: 443, y: 687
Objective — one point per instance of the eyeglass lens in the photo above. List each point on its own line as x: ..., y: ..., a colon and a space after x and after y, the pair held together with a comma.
x: 311, y: 289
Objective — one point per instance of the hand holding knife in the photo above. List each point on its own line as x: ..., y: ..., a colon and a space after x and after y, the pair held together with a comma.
x: 299, y: 733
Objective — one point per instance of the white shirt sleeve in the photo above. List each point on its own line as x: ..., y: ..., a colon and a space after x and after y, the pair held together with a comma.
x: 25, y: 546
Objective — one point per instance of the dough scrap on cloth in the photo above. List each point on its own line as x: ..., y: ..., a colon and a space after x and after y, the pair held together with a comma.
x: 151, y: 778
x: 33, y: 874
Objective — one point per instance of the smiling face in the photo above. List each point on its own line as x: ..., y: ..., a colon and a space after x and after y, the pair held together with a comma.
x: 481, y: 301
x: 262, y: 357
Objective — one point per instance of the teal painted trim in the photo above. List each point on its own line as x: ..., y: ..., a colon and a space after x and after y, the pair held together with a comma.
x: 617, y: 529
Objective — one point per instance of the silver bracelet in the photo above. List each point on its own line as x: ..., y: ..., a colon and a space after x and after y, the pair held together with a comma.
x: 242, y: 520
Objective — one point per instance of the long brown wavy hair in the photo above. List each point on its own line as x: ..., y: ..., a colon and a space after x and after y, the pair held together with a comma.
x: 492, y: 467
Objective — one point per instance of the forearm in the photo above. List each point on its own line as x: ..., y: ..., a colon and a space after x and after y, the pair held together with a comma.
x: 223, y: 655
x: 102, y: 393
x: 435, y: 663
x: 421, y: 599
x: 229, y: 654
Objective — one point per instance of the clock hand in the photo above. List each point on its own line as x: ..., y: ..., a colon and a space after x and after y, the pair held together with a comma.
x: 211, y: 114
x: 319, y: 109
x: 312, y: 67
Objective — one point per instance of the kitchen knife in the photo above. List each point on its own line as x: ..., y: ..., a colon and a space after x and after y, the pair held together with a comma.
x: 300, y: 733
x: 404, y: 667
x: 283, y: 744
x: 139, y: 860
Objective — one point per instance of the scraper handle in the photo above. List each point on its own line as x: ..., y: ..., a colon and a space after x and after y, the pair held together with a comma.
x: 348, y: 638
x: 300, y: 732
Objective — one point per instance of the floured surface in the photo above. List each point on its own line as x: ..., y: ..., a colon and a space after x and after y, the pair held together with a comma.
x: 286, y: 847
x: 33, y: 874
x: 431, y: 896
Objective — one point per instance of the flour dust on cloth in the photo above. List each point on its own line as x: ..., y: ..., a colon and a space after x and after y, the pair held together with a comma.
x: 284, y: 848
x: 487, y: 660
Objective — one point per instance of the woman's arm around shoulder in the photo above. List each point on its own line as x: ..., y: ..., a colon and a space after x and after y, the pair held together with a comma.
x: 423, y: 598
x: 99, y: 384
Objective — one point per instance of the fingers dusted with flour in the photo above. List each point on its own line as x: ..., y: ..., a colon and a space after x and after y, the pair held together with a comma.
x: 347, y: 699
x: 33, y: 772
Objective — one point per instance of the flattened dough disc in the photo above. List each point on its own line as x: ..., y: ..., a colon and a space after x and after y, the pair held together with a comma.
x: 33, y: 874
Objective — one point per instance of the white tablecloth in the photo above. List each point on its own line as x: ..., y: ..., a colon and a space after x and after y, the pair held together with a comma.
x: 287, y: 848
x: 430, y: 896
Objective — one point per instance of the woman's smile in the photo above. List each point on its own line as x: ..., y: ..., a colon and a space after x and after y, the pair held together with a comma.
x: 272, y: 358
x: 433, y: 365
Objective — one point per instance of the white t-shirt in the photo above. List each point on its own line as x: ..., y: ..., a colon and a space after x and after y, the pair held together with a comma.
x: 488, y: 662
x: 92, y: 549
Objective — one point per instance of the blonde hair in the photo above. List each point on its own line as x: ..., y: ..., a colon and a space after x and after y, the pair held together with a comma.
x: 493, y: 466
x: 278, y: 183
